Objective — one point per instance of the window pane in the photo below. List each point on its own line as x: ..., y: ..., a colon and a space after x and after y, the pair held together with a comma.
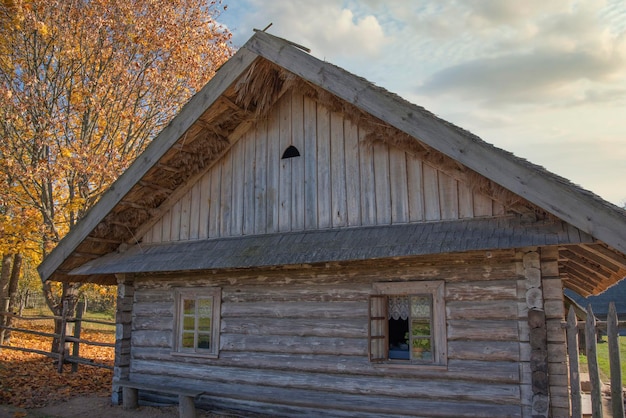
x: 205, y: 307
x: 420, y: 328
x: 189, y: 306
x: 204, y: 324
x: 420, y: 306
x: 204, y: 341
x: 189, y: 323
x: 188, y: 338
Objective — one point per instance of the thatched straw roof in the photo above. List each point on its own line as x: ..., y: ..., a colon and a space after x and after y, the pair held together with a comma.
x: 243, y: 91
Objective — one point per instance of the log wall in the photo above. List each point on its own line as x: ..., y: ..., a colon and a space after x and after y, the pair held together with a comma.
x: 294, y: 341
x: 340, y: 179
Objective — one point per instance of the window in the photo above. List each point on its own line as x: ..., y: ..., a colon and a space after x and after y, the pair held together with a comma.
x: 198, y: 316
x: 407, y: 323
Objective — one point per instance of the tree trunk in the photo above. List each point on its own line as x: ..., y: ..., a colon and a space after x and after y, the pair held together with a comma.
x: 4, y: 274
x: 69, y: 293
x: 12, y: 294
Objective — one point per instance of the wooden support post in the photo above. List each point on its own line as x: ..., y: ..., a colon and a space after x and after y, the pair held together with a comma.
x: 131, y: 398
x: 574, y: 367
x: 77, y: 327
x: 617, y: 394
x: 592, y: 361
x: 186, y: 407
x: 62, y: 336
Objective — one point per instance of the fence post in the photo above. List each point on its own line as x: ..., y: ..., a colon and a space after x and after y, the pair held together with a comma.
x: 77, y: 325
x: 617, y: 394
x: 62, y: 336
x: 592, y: 361
x: 574, y: 366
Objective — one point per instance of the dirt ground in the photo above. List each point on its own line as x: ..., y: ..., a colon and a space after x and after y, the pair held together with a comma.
x: 97, y: 407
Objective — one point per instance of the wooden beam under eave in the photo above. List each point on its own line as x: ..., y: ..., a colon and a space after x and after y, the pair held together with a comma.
x: 587, y: 285
x: 155, y: 187
x: 103, y: 240
x: 606, y: 253
x: 593, y: 268
x: 594, y: 256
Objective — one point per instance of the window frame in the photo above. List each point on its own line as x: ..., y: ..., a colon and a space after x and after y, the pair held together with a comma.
x: 379, y: 323
x: 214, y: 293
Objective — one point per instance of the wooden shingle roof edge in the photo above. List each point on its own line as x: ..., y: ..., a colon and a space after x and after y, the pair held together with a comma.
x: 554, y: 194
x: 335, y: 245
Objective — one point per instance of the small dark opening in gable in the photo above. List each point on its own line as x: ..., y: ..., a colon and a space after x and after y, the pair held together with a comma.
x: 290, y: 152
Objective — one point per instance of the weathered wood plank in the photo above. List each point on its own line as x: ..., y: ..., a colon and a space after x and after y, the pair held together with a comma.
x: 432, y: 210
x: 294, y: 344
x: 337, y: 383
x: 482, y: 205
x: 249, y: 198
x: 496, y: 309
x: 175, y: 221
x: 298, y: 163
x: 382, y: 183
x: 481, y: 290
x: 415, y: 188
x: 238, y: 169
x: 324, y: 206
x: 399, y: 187
x: 368, y: 186
x: 484, y: 350
x: 185, y: 216
x: 448, y: 197
x: 260, y: 178
x: 285, y: 165
x: 310, y: 163
x: 205, y: 196
x: 466, y: 201
x: 353, y: 175
x: 336, y: 403
x: 301, y: 327
x: 226, y: 195
x: 194, y: 211
x: 338, y: 198
x: 273, y: 172
x: 485, y: 330
x: 215, y: 201
x: 296, y: 309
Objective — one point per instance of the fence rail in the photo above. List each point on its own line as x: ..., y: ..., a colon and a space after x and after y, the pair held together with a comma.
x: 62, y: 355
x: 589, y: 329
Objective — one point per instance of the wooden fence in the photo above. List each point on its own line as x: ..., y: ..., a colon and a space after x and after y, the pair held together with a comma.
x: 64, y: 355
x: 590, y: 329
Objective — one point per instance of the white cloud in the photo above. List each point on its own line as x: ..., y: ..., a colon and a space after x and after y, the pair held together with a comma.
x: 326, y: 26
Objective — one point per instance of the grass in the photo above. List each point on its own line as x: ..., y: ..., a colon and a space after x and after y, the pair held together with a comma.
x: 603, y: 358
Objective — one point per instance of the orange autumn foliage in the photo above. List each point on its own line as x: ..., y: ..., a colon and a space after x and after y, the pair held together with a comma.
x: 31, y: 380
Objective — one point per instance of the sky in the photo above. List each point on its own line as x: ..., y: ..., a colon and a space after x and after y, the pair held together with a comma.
x: 544, y: 79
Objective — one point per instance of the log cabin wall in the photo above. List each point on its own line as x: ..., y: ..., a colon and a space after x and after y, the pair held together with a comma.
x: 340, y: 179
x: 295, y: 341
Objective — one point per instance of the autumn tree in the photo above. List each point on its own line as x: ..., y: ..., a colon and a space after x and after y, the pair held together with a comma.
x: 84, y: 86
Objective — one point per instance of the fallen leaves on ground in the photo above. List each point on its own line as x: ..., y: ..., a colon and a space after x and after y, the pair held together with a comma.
x: 29, y: 380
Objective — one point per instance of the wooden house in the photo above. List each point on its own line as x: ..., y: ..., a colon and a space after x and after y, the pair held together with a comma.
x: 298, y: 241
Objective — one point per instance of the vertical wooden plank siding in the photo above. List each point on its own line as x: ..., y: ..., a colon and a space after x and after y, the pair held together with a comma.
x: 297, y: 163
x: 273, y: 172
x: 323, y: 167
x: 260, y: 179
x: 340, y: 179
x: 415, y: 188
x: 431, y: 193
x: 310, y: 164
x: 215, y: 201
x: 248, y: 204
x: 337, y: 172
x: 285, y: 165
x: 381, y: 183
x: 238, y: 169
x: 399, y: 188
x: 366, y: 166
x: 353, y: 186
x: 203, y: 214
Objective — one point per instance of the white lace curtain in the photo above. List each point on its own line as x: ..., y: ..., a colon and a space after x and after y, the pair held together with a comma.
x: 399, y: 307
